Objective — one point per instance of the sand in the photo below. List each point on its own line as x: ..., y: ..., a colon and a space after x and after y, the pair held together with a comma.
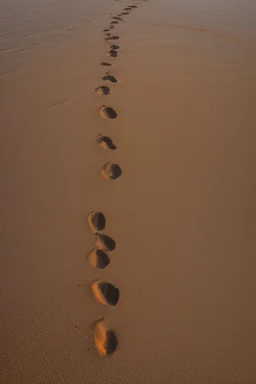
x: 181, y: 213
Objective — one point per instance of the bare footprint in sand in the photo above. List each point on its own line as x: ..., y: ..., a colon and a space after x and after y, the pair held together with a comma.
x: 105, y: 243
x: 107, y: 112
x: 110, y: 78
x: 113, y: 38
x: 114, y: 46
x: 117, y: 18
x: 105, y: 293
x: 104, y: 64
x: 105, y: 142
x: 111, y: 171
x: 114, y: 22
x: 96, y: 221
x: 105, y: 340
x: 98, y: 259
x: 102, y: 90
x: 113, y: 53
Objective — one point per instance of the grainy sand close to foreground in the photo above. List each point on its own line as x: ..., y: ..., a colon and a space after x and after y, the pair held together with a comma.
x: 182, y: 213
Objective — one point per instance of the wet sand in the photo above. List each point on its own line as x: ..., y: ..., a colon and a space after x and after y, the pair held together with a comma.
x: 181, y: 213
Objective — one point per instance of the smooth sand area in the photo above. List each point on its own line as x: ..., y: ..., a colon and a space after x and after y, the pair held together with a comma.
x: 180, y: 211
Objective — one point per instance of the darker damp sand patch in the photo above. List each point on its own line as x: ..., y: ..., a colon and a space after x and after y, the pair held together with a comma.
x: 105, y: 142
x: 111, y: 171
x: 96, y: 221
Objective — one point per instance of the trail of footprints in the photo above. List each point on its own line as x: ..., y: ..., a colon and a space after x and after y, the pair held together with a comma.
x: 103, y: 291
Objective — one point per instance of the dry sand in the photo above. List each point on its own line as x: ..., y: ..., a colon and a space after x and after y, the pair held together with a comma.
x: 182, y: 213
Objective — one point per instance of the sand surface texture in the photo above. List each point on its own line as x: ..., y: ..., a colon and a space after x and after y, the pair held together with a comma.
x: 165, y: 150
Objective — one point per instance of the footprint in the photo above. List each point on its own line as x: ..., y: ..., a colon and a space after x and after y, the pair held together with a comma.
x: 106, y: 29
x: 110, y: 78
x: 107, y: 112
x: 116, y: 18
x: 105, y: 64
x: 125, y: 13
x: 102, y: 90
x: 105, y: 293
x: 97, y: 221
x: 111, y: 171
x: 105, y: 142
x: 105, y: 340
x: 113, y: 53
x: 98, y: 259
x: 114, y: 46
x: 105, y: 243
x: 113, y: 38
x: 108, y: 34
x: 114, y: 22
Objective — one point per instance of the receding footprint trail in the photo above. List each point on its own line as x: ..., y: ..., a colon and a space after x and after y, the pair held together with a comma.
x: 103, y: 291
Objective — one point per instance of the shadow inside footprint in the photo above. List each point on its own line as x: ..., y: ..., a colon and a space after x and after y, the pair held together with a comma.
x: 96, y: 221
x: 111, y: 342
x: 105, y: 64
x: 125, y: 13
x: 108, y: 34
x: 107, y: 112
x: 105, y: 243
x: 110, y: 78
x: 98, y: 259
x: 102, y: 90
x: 114, y: 22
x: 111, y: 171
x: 105, y: 293
x: 105, y: 142
x: 106, y: 29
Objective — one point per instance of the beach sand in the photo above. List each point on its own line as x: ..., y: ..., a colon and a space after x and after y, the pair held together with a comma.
x: 182, y: 213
